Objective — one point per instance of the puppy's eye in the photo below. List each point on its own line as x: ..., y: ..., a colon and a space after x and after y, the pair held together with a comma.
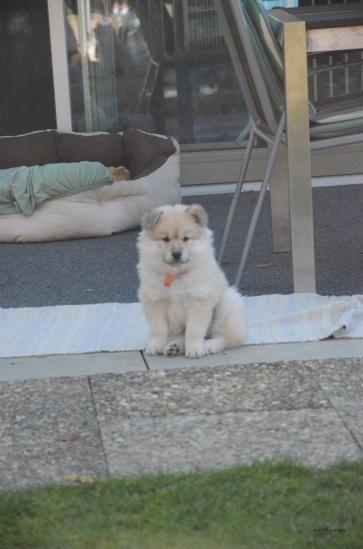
x: 166, y: 239
x: 186, y: 238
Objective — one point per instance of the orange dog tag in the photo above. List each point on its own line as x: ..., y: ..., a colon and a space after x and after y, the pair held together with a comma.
x: 168, y: 280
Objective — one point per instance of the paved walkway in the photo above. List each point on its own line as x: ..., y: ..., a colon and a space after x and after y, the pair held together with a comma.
x: 117, y: 414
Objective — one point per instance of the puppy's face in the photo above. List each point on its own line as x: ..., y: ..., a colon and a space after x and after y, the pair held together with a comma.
x: 173, y: 231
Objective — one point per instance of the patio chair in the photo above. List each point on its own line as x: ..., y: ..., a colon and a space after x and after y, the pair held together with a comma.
x: 258, y: 62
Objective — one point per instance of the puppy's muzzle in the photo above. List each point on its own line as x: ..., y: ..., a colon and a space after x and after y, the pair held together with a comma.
x: 176, y: 256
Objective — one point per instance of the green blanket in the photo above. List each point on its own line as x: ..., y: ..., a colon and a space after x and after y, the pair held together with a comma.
x: 24, y: 189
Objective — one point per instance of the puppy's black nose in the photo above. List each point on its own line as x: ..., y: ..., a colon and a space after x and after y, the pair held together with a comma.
x: 176, y: 256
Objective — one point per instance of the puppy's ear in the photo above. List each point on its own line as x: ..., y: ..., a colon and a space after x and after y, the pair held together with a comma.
x: 150, y: 219
x: 199, y: 214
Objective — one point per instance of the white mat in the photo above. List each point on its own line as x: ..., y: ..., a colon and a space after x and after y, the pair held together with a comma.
x: 122, y: 327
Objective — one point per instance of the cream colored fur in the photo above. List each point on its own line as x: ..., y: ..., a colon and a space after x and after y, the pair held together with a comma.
x: 198, y: 313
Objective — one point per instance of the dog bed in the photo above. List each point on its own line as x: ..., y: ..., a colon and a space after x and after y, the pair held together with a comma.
x: 153, y: 162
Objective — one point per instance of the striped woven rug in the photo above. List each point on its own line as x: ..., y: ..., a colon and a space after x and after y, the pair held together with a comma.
x: 68, y: 329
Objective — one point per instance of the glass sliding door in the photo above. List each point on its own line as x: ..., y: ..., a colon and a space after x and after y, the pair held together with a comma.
x: 160, y: 65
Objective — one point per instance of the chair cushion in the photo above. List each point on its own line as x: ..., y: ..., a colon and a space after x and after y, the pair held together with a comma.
x: 338, y: 109
x: 264, y: 27
x: 336, y: 117
x: 106, y: 148
x: 28, y: 149
x: 336, y: 129
x: 267, y: 49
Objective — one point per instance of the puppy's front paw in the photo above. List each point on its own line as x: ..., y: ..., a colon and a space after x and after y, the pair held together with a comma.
x: 195, y: 350
x: 175, y: 347
x: 212, y: 346
x: 171, y: 349
x: 154, y: 348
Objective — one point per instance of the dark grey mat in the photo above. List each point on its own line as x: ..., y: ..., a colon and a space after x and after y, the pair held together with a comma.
x: 99, y: 270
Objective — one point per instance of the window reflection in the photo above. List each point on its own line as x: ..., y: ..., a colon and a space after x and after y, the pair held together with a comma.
x: 162, y: 66
x: 156, y: 64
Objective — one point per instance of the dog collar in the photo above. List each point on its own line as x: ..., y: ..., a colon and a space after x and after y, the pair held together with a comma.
x: 170, y: 277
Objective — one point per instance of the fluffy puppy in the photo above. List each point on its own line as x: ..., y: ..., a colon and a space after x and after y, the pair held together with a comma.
x: 188, y: 303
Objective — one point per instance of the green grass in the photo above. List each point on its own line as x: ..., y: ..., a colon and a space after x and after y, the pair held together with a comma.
x: 255, y: 507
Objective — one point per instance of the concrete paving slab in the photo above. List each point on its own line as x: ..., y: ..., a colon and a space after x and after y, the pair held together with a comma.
x: 48, y: 429
x: 319, y: 350
x: 205, y: 418
x: 281, y: 386
x: 179, y: 420
x: 342, y: 383
x: 140, y: 445
x: 70, y: 365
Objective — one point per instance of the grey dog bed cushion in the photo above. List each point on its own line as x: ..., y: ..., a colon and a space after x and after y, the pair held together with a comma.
x: 145, y: 153
x: 37, y: 148
x: 105, y: 148
x: 141, y: 153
